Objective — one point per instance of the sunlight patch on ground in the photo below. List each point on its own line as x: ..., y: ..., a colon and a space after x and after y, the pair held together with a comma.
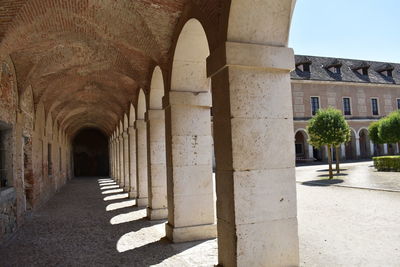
x: 107, y: 183
x: 105, y: 180
x: 114, y: 197
x: 109, y: 187
x: 113, y: 191
x: 128, y: 217
x: 121, y: 205
x: 203, y: 254
x: 144, y: 236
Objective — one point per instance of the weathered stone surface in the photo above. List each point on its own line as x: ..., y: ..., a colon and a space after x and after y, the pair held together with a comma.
x: 8, y: 212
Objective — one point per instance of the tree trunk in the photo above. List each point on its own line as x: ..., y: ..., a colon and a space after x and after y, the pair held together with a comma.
x: 337, y: 160
x: 330, y: 162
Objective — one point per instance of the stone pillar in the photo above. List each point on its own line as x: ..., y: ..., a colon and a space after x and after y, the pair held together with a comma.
x: 358, y: 150
x: 157, y: 173
x: 114, y: 159
x: 343, y: 151
x: 191, y: 213
x: 126, y: 161
x: 310, y: 151
x: 132, y: 163
x: 117, y: 160
x: 396, y: 148
x: 121, y: 161
x: 256, y: 185
x: 110, y: 156
x: 385, y: 149
x: 372, y: 148
x: 141, y: 137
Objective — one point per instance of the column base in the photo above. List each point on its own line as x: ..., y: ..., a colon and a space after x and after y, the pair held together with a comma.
x: 191, y: 233
x: 132, y: 195
x: 126, y: 189
x: 142, y: 202
x: 157, y: 214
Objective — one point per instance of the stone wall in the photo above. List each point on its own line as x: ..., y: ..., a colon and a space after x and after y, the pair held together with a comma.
x: 8, y: 212
x: 26, y: 130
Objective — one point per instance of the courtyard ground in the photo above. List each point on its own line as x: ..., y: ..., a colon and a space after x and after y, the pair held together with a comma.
x: 90, y: 222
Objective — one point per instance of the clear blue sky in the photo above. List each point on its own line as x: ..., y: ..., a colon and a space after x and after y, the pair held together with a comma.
x: 357, y: 29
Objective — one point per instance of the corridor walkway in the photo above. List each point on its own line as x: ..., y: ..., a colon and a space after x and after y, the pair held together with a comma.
x: 91, y: 222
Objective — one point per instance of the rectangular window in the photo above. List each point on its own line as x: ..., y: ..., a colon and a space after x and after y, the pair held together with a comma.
x: 49, y: 161
x: 3, y: 170
x: 346, y: 106
x: 374, y: 105
x: 398, y: 103
x: 314, y: 104
x: 5, y: 158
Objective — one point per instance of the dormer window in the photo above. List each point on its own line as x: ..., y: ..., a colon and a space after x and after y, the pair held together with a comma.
x: 364, y: 71
x: 361, y: 68
x: 334, y: 70
x: 304, y: 67
x: 334, y: 66
x: 386, y: 70
x: 303, y: 64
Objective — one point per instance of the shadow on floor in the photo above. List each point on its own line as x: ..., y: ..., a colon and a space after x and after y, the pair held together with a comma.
x: 327, y: 170
x: 323, y: 182
x: 335, y: 174
x: 143, y: 238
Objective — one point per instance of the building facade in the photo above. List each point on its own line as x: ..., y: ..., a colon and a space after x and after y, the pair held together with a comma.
x: 364, y: 91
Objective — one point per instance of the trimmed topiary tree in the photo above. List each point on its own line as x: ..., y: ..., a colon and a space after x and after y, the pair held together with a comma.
x: 373, y: 133
x: 328, y: 127
x: 389, y: 128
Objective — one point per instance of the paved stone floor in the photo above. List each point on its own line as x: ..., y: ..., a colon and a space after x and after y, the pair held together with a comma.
x: 92, y: 223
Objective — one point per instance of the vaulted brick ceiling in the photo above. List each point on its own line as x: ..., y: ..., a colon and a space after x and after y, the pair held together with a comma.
x: 86, y: 59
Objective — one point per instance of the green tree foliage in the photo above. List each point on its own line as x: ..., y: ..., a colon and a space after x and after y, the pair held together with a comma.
x: 373, y: 132
x: 389, y: 128
x: 328, y: 127
x: 386, y: 130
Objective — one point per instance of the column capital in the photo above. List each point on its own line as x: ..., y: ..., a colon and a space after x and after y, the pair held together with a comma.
x: 140, y: 123
x: 155, y: 114
x: 125, y: 134
x: 272, y: 58
x: 200, y: 99
x: 131, y: 130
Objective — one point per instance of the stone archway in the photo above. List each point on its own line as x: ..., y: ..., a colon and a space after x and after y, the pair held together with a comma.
x: 141, y: 141
x: 157, y: 174
x: 365, y: 144
x: 191, y: 213
x: 304, y: 151
x: 251, y: 99
x: 90, y: 148
x: 351, y: 149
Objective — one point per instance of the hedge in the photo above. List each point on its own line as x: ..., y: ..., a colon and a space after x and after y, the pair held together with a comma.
x: 387, y: 163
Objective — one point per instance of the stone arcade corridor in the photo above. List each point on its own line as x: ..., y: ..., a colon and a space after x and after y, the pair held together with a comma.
x: 170, y: 83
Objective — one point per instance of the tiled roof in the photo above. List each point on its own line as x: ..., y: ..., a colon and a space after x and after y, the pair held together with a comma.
x: 320, y: 70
